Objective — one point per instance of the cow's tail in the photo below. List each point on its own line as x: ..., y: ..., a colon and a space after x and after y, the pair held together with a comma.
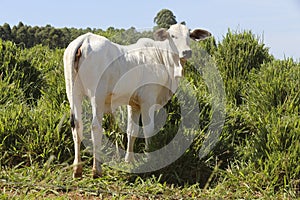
x: 72, y: 56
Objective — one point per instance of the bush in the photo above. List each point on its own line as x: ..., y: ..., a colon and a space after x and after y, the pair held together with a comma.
x: 237, y: 54
x: 273, y: 98
x: 18, y: 71
x: 33, y: 122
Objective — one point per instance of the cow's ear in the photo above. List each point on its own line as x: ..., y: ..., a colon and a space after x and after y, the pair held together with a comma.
x: 161, y: 34
x: 199, y: 34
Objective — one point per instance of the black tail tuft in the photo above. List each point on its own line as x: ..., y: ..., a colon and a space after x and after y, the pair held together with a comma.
x: 72, y: 121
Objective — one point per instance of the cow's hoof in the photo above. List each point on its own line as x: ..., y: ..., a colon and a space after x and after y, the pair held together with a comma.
x: 129, y: 157
x: 77, y: 175
x: 77, y: 172
x: 96, y: 174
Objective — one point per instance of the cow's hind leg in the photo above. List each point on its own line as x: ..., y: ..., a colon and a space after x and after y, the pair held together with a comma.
x: 97, y: 132
x: 77, y: 128
x: 132, y: 131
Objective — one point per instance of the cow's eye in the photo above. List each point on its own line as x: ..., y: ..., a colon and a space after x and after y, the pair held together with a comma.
x: 173, y: 36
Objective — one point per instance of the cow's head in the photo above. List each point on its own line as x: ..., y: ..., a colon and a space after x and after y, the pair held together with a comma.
x: 180, y: 36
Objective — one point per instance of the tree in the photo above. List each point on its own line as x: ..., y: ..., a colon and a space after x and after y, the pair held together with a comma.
x: 165, y: 18
x: 5, y: 32
x: 21, y: 35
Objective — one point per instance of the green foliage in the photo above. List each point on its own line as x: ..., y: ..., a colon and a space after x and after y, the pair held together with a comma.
x: 208, y: 45
x: 17, y: 70
x: 33, y: 124
x: 5, y: 32
x: 130, y: 36
x: 237, y: 54
x: 28, y: 36
x: 275, y: 87
x: 273, y: 101
x: 165, y: 18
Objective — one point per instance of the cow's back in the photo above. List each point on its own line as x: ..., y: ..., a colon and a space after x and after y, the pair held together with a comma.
x: 98, y: 53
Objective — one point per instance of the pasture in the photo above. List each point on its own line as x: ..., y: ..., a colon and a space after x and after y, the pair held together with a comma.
x: 256, y: 155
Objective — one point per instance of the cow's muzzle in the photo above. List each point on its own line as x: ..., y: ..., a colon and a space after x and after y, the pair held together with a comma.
x: 187, y: 54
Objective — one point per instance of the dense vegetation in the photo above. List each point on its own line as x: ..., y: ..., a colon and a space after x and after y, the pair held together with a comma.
x: 257, y: 155
x: 27, y: 36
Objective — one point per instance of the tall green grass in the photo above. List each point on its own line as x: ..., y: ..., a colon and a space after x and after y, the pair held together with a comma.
x: 33, y: 123
x: 273, y: 97
x: 237, y: 54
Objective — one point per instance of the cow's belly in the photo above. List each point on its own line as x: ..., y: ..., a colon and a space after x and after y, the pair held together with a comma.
x: 136, y: 86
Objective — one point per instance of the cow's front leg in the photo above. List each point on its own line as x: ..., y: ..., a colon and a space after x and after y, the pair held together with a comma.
x: 148, y: 125
x: 97, y: 132
x: 132, y: 131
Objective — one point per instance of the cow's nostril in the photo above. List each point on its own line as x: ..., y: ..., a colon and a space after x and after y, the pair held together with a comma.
x: 187, y: 54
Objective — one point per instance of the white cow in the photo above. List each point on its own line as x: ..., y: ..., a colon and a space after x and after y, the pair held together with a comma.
x: 143, y: 76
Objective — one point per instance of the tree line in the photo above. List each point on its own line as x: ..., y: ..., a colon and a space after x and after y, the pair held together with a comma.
x: 29, y: 36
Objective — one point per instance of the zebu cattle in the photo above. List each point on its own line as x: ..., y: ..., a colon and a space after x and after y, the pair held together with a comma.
x: 143, y: 76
